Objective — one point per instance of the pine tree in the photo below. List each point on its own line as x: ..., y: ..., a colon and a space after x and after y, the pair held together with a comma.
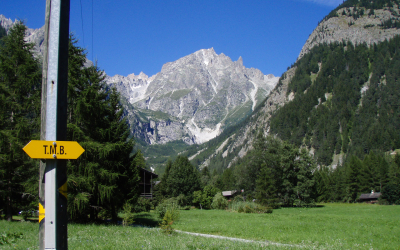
x: 20, y: 87
x: 353, y: 178
x: 182, y: 178
x: 305, y: 180
x: 105, y: 176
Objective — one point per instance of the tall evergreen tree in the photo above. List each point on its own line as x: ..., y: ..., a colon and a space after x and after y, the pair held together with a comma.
x: 180, y: 177
x: 105, y: 176
x: 353, y: 168
x: 20, y: 87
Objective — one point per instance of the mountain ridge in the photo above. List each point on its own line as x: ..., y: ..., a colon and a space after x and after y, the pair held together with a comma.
x: 332, y: 29
x: 199, y: 93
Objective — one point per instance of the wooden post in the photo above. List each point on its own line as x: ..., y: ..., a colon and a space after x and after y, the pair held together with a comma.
x: 53, y: 175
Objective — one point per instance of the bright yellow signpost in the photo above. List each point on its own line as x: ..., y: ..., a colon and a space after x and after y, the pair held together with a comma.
x: 53, y: 149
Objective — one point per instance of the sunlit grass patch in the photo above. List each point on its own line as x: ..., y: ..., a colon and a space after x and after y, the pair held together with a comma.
x: 331, y: 226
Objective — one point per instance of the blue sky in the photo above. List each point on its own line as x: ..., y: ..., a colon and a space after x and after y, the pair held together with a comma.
x: 132, y: 36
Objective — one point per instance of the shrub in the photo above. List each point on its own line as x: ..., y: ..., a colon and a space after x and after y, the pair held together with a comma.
x: 182, y: 200
x: 168, y: 211
x: 167, y: 221
x: 142, y: 205
x: 170, y: 205
x: 219, y: 202
x: 9, y: 238
x: 238, y: 198
x: 25, y: 214
x: 391, y: 193
x: 128, y: 217
x: 249, y: 207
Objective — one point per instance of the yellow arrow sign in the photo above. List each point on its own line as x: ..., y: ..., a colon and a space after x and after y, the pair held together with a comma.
x: 53, y: 149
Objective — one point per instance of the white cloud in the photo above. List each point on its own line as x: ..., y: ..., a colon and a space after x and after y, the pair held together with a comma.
x: 333, y: 3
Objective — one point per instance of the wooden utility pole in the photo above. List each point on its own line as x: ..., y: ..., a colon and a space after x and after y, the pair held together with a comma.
x: 53, y: 174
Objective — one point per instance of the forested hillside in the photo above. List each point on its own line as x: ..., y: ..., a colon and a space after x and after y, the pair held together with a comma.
x: 346, y: 101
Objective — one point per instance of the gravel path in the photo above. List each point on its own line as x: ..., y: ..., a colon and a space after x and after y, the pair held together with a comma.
x: 241, y: 240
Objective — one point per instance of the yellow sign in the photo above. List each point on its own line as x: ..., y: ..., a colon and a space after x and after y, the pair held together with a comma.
x: 53, y: 149
x: 63, y: 190
x: 41, y: 212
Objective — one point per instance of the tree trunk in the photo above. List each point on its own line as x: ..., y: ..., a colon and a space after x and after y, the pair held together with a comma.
x: 8, y: 205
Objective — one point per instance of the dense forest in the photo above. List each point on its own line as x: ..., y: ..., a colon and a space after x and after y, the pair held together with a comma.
x: 346, y: 101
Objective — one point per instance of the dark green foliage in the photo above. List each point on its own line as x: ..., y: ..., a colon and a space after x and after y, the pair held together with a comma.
x: 219, y: 202
x: 105, y: 175
x: 20, y: 88
x: 391, y: 193
x: 367, y: 4
x: 390, y: 23
x: 3, y: 33
x: 204, y: 198
x: 353, y: 168
x: 394, y: 171
x: 10, y: 238
x: 347, y: 182
x: 275, y: 173
x: 142, y: 205
x: 327, y: 114
x: 180, y: 177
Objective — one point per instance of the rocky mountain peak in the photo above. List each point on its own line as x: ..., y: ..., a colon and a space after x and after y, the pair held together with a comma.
x: 7, y: 23
x: 240, y: 61
x: 355, y: 24
x: 198, y: 95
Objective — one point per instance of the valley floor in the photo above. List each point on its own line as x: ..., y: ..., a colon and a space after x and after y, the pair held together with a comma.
x: 328, y: 226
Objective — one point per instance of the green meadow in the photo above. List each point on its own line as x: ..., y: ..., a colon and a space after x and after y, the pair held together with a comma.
x: 329, y: 226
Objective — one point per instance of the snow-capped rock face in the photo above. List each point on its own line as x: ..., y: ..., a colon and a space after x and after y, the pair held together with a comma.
x: 133, y: 87
x: 203, y: 92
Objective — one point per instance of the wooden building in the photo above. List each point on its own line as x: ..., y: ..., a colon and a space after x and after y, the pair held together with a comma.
x: 146, y: 183
x: 370, y: 197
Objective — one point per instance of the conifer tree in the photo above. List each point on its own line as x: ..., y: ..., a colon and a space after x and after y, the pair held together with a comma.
x: 104, y: 177
x: 20, y: 87
x: 180, y: 177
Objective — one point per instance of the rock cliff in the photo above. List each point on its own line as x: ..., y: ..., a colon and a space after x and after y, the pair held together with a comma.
x: 192, y: 99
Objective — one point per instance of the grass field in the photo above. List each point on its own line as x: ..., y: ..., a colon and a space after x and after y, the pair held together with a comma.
x: 331, y: 226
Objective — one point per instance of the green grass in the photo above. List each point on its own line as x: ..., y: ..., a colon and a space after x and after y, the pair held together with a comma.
x: 333, y: 226
x: 118, y: 237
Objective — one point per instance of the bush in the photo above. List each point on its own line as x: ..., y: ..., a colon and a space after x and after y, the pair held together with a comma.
x: 182, y: 200
x: 168, y: 211
x: 219, y: 202
x: 391, y: 193
x: 128, y: 217
x: 170, y: 205
x: 249, y: 207
x: 238, y: 198
x: 142, y: 205
x: 167, y: 221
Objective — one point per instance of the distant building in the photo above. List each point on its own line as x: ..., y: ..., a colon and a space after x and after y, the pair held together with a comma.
x: 370, y: 197
x: 146, y: 183
x: 229, y: 194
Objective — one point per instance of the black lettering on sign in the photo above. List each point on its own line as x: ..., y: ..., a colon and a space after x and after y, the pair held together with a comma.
x: 61, y: 150
x: 53, y: 150
x: 45, y: 146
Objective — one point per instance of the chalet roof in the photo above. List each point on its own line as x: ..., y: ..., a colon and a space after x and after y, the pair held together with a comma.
x: 228, y: 193
x: 148, y: 172
x: 370, y: 196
